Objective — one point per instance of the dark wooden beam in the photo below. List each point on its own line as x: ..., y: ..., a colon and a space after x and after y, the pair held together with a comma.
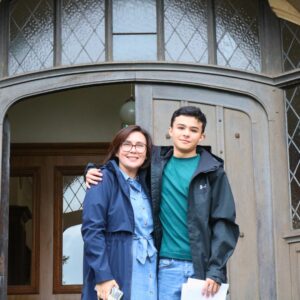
x: 4, y: 210
x: 295, y: 3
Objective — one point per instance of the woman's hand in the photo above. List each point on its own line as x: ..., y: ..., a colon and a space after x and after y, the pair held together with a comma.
x: 104, y: 288
x: 93, y: 176
x: 210, y: 288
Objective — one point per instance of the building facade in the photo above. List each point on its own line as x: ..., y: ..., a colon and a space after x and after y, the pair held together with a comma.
x: 66, y: 70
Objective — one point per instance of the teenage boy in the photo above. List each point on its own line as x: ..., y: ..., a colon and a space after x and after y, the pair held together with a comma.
x: 193, y: 208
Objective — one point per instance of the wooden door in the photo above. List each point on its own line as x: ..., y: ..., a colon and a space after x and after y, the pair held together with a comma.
x: 237, y: 132
x: 50, y: 182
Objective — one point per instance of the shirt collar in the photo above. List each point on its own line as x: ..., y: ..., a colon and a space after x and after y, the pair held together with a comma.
x: 128, y: 178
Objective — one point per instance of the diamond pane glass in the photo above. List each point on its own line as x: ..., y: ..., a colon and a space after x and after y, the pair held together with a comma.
x: 133, y: 16
x: 237, y: 34
x: 292, y: 98
x: 30, y: 36
x: 83, y: 36
x: 186, y: 31
x: 73, y: 193
x: 290, y: 35
x: 73, y: 196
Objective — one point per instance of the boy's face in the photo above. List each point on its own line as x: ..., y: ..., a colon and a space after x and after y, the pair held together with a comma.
x: 186, y: 134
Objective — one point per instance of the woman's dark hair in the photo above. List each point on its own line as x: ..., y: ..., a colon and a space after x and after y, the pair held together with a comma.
x: 121, y: 137
x: 190, y: 111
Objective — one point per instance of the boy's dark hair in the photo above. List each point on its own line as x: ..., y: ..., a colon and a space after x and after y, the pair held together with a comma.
x: 190, y: 111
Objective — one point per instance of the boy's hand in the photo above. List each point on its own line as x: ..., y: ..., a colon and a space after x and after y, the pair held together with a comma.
x: 93, y: 176
x: 210, y: 288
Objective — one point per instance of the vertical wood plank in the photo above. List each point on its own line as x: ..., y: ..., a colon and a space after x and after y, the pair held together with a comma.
x: 220, y: 132
x: 239, y: 160
x: 211, y: 128
x: 295, y: 270
x: 143, y: 106
x: 162, y: 113
x: 4, y: 37
x: 57, y: 33
x: 108, y: 31
x: 4, y: 209
x: 160, y: 30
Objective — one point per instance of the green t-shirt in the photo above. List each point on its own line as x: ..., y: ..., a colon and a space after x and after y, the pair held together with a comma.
x: 176, y: 180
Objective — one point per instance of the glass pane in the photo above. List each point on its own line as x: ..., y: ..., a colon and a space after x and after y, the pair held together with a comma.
x: 186, y: 31
x: 134, y: 47
x: 290, y: 34
x: 72, y: 252
x: 292, y: 98
x: 30, y: 36
x: 83, y: 36
x: 238, y: 44
x: 20, y: 248
x: 134, y: 16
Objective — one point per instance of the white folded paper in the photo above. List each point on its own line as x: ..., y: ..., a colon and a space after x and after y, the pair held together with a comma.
x: 192, y: 290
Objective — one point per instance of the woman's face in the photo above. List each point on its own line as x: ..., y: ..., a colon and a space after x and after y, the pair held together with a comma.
x: 132, y: 153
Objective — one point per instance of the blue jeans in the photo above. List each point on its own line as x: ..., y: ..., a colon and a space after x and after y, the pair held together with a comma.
x: 172, y: 273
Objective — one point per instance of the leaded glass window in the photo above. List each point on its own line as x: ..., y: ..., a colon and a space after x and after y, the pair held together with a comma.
x: 291, y: 60
x: 83, y: 31
x: 185, y: 31
x: 30, y: 36
x: 134, y: 30
x: 292, y: 97
x: 72, y: 245
x: 291, y: 45
x: 132, y: 34
x: 238, y: 44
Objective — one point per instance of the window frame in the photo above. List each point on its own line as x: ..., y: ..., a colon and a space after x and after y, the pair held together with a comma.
x: 58, y: 287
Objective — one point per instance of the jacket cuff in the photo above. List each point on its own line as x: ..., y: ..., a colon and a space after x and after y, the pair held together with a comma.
x: 217, y: 276
x: 103, y: 276
x: 88, y: 166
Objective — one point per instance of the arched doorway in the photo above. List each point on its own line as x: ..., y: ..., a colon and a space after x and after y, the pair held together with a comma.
x: 53, y: 137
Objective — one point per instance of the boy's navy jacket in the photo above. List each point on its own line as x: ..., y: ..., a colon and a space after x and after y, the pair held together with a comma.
x: 211, y: 224
x: 107, y: 231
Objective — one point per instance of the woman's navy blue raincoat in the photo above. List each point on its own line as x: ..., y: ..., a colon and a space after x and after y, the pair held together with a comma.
x: 107, y: 231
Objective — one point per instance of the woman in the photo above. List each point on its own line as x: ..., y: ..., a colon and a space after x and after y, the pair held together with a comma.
x: 117, y: 223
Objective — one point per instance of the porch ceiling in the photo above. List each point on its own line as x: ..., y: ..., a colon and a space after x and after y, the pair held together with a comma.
x: 295, y: 3
x: 287, y: 10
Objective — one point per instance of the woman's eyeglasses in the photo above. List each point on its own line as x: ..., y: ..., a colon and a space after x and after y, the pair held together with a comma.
x: 139, y: 147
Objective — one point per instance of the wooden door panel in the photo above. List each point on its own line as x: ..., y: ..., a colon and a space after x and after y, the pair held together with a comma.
x: 162, y: 113
x: 238, y: 162
x: 211, y: 137
x: 229, y: 133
